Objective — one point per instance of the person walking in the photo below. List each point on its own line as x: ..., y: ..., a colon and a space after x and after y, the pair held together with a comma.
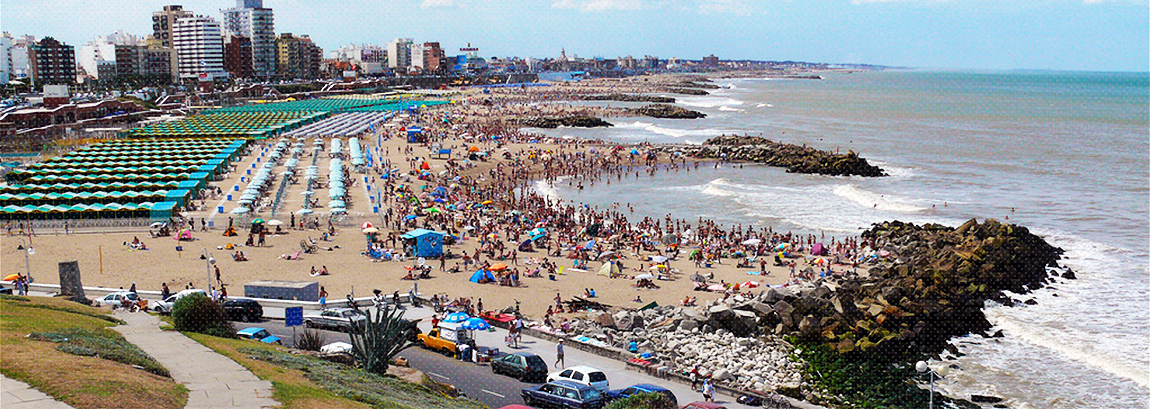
x: 559, y: 354
x: 322, y: 298
x: 694, y: 377
x: 708, y: 391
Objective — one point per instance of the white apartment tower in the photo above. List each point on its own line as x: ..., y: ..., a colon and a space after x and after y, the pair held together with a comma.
x: 251, y: 20
x: 5, y: 58
x: 199, y: 47
x: 399, y: 53
x: 102, y: 50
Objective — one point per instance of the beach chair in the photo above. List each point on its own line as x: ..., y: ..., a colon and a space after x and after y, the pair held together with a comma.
x: 308, y: 247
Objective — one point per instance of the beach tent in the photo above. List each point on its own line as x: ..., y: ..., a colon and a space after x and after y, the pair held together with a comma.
x: 609, y: 269
x: 428, y: 243
x: 818, y: 250
x: 481, y: 274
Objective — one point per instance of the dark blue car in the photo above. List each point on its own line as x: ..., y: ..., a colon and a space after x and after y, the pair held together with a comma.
x: 564, y: 394
x: 641, y: 388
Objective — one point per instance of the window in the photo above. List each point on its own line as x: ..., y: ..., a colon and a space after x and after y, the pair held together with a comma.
x: 577, y: 376
x: 597, y: 376
x: 565, y: 374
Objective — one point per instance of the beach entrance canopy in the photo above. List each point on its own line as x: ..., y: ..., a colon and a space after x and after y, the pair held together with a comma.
x: 428, y: 243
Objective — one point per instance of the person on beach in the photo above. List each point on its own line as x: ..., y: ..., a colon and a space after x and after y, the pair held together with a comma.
x: 708, y: 391
x: 322, y: 298
x: 165, y: 292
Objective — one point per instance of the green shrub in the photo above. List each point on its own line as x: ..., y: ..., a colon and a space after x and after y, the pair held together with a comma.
x: 645, y: 400
x: 197, y: 313
x: 310, y: 340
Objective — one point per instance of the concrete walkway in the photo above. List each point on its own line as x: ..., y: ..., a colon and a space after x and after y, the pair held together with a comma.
x: 213, y: 380
x: 19, y: 395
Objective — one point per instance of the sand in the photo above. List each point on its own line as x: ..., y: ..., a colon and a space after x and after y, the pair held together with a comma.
x: 105, y: 259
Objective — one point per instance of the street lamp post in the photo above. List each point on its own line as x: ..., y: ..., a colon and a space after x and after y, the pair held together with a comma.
x: 208, y: 262
x: 27, y: 263
x: 921, y: 366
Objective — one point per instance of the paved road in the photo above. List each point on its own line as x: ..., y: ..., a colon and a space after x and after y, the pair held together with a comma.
x: 476, y: 381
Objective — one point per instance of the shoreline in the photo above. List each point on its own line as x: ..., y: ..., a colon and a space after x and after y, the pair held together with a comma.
x: 484, y: 180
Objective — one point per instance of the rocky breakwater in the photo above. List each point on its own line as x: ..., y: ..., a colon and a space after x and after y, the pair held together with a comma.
x: 934, y: 289
x: 795, y: 158
x: 571, y: 121
x: 666, y: 111
x: 629, y: 98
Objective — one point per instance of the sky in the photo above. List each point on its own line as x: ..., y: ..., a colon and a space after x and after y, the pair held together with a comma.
x: 1087, y: 35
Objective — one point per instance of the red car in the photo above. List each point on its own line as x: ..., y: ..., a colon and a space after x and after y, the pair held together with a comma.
x: 703, y: 405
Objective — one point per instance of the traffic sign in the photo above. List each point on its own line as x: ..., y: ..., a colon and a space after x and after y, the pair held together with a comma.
x: 293, y: 316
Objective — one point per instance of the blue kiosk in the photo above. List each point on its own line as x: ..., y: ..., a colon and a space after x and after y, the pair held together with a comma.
x: 427, y: 243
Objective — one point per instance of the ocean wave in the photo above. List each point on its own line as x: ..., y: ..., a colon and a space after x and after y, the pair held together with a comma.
x: 1047, y: 339
x: 727, y: 108
x: 675, y: 133
x: 546, y: 190
x: 764, y: 106
x: 893, y: 171
x: 874, y: 200
x: 708, y: 102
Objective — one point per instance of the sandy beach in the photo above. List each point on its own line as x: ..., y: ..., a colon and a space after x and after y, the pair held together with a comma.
x: 513, y: 161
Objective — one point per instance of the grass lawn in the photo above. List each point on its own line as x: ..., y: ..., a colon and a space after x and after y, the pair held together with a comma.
x: 307, y: 382
x: 292, y: 389
x: 81, y: 381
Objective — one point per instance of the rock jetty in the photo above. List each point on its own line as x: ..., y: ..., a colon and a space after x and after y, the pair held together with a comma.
x: 797, y: 159
x: 686, y: 91
x: 666, y: 111
x: 629, y: 98
x: 571, y: 121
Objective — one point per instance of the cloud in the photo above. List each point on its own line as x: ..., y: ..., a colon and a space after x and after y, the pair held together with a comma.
x: 436, y: 3
x: 598, y: 5
x: 736, y: 7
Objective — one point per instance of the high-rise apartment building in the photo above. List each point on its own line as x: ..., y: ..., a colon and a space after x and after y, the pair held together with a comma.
x: 238, y: 56
x: 297, y: 57
x: 368, y: 58
x: 141, y: 62
x: 199, y: 47
x: 163, y: 30
x: 250, y: 19
x: 399, y: 53
x: 434, y: 59
x: 52, y: 62
x: 102, y: 51
x: 5, y: 58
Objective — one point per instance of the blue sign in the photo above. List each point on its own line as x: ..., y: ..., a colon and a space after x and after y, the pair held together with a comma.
x: 293, y: 316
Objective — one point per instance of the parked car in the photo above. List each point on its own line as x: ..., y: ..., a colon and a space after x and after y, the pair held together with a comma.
x: 703, y: 405
x: 523, y: 366
x: 563, y: 394
x: 165, y: 306
x: 641, y: 388
x: 582, y: 374
x: 258, y: 334
x: 116, y: 299
x: 5, y: 290
x: 243, y: 309
x: 342, y: 319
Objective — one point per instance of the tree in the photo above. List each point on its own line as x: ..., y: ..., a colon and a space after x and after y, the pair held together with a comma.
x: 383, y: 336
x: 645, y: 400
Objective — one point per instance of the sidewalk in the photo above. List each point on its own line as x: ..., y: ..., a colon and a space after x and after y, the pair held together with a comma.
x: 213, y: 380
x: 18, y: 395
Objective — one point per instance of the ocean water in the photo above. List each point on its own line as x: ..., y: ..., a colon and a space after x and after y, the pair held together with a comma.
x: 1065, y: 154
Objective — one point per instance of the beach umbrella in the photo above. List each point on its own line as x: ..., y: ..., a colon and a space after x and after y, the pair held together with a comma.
x: 698, y: 278
x: 645, y: 276
x: 476, y: 324
x: 275, y: 223
x: 338, y: 210
x: 257, y: 221
x: 409, y: 217
x: 240, y: 210
x: 658, y: 267
x: 12, y: 277
x: 365, y: 225
x: 498, y: 267
x: 157, y: 225
x: 658, y: 259
x: 607, y: 253
x: 370, y: 230
x: 304, y: 211
x: 487, y: 202
x: 752, y: 242
x: 456, y: 317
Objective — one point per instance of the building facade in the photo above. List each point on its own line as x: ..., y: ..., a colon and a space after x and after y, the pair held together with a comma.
x: 369, y: 59
x: 102, y: 51
x: 164, y: 32
x: 297, y: 57
x: 399, y: 53
x: 238, y: 56
x: 144, y: 63
x: 252, y: 20
x: 52, y: 62
x: 434, y: 59
x: 5, y: 58
x: 199, y: 48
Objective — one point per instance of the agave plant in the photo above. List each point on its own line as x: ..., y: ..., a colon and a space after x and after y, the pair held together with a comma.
x: 384, y: 335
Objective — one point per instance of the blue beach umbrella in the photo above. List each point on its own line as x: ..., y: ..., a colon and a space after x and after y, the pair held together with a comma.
x: 456, y: 317
x: 476, y: 324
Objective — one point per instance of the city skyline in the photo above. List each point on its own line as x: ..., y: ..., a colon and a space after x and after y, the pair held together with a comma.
x: 1091, y: 35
